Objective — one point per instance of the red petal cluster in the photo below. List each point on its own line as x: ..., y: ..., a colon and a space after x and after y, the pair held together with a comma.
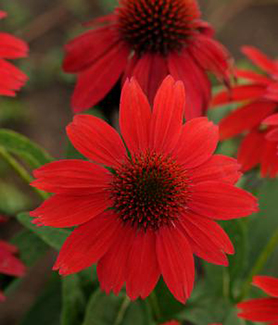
x: 263, y: 309
x: 9, y: 264
x: 125, y: 251
x: 12, y: 79
x: 260, y: 101
x: 104, y: 54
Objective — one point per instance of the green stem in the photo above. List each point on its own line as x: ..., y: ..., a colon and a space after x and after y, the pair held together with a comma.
x: 155, y: 306
x: 20, y: 171
x: 122, y: 311
x: 262, y: 259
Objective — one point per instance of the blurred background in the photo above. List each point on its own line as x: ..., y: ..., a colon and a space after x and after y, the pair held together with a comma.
x: 42, y: 109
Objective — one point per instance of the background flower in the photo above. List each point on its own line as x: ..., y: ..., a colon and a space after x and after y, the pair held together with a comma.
x: 12, y: 79
x: 263, y: 309
x: 149, y: 40
x: 260, y: 100
x: 9, y: 264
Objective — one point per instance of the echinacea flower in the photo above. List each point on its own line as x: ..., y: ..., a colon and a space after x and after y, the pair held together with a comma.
x: 259, y: 100
x: 172, y: 322
x: 12, y: 79
x: 145, y: 204
x: 262, y: 309
x: 9, y: 264
x: 147, y: 39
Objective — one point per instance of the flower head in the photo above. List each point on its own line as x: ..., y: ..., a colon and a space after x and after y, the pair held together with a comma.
x: 9, y: 264
x: 173, y: 322
x: 260, y: 100
x: 147, y: 39
x: 12, y: 79
x: 144, y: 206
x: 262, y: 309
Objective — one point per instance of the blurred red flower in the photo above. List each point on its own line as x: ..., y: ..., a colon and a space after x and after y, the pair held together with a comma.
x: 173, y: 322
x: 12, y: 79
x: 9, y: 264
x: 147, y: 39
x: 263, y: 309
x: 154, y: 203
x: 260, y: 99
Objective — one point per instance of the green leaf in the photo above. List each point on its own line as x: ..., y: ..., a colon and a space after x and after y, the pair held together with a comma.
x: 47, y: 308
x: 24, y: 148
x: 168, y: 305
x: 232, y: 319
x: 13, y: 199
x: 51, y: 236
x: 73, y: 300
x: 264, y: 224
x: 30, y: 247
x: 237, y: 231
x: 112, y: 310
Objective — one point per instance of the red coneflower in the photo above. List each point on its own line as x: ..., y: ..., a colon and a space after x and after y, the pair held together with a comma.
x: 9, y: 264
x: 173, y: 322
x: 260, y: 99
x: 147, y: 39
x: 263, y: 309
x: 12, y: 79
x: 145, y: 205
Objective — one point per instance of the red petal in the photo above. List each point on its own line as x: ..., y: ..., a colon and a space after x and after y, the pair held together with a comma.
x: 12, y: 47
x: 210, y: 55
x: 87, y: 48
x: 250, y: 150
x: 9, y: 264
x: 112, y: 268
x: 8, y: 247
x: 260, y: 59
x: 166, y: 122
x: 95, y: 82
x: 269, y: 159
x: 143, y: 269
x: 239, y: 93
x: 267, y: 283
x: 77, y: 177
x: 135, y: 116
x: 218, y: 168
x: 88, y: 243
x: 253, y: 76
x: 261, y: 310
x: 271, y: 120
x: 245, y: 118
x: 3, y: 14
x: 197, y: 142
x: 176, y: 262
x: 207, y: 239
x: 12, y: 79
x: 96, y: 140
x: 197, y: 86
x: 70, y: 210
x: 222, y: 201
x: 272, y: 135
x: 150, y: 70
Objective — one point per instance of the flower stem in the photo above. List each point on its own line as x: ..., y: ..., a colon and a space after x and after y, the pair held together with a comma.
x: 20, y: 171
x: 121, y: 313
x: 262, y: 259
